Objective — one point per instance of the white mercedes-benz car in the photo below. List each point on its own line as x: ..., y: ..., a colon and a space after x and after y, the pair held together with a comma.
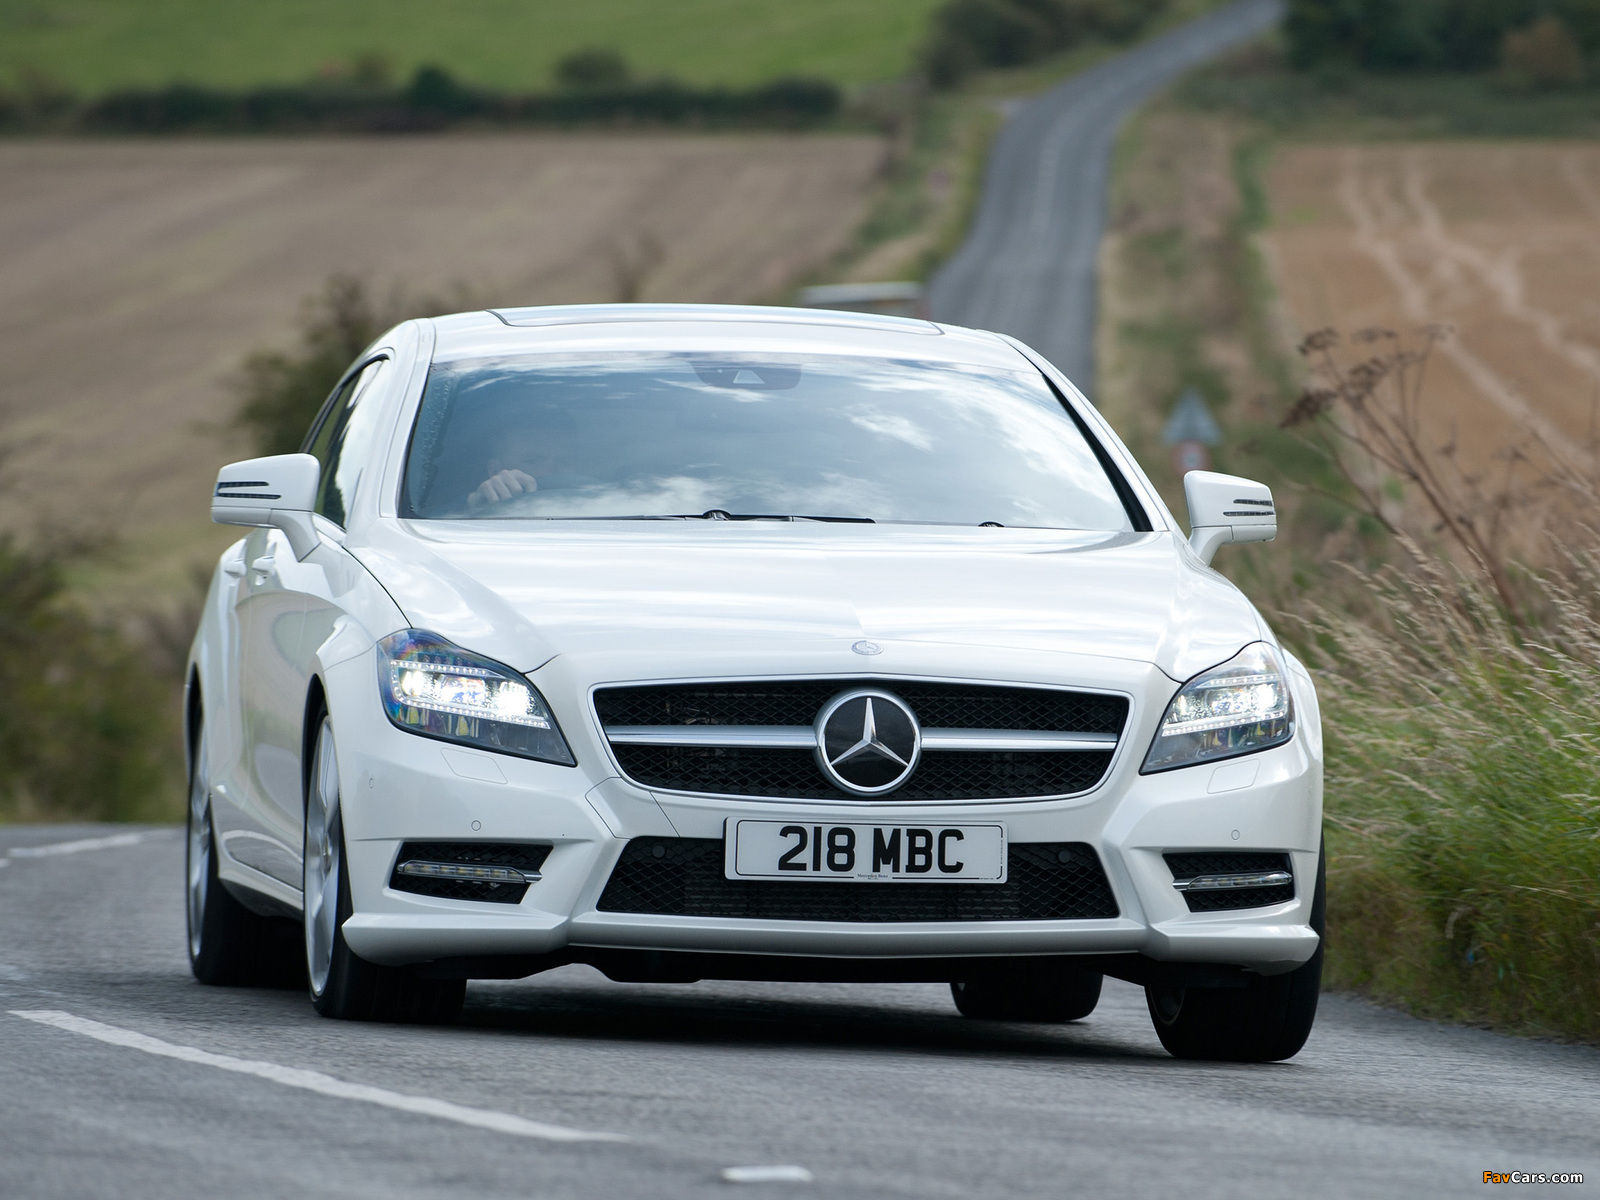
x: 698, y: 642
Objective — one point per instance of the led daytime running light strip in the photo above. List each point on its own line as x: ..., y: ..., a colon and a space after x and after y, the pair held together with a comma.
x: 1231, y: 720
x: 470, y: 872
x: 1224, y: 681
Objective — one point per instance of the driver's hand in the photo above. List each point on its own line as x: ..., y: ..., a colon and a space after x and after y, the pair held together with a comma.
x: 502, y: 486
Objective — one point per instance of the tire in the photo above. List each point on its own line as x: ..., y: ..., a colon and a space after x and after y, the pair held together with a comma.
x: 1268, y: 1021
x: 343, y: 985
x: 228, y: 944
x: 1044, y: 994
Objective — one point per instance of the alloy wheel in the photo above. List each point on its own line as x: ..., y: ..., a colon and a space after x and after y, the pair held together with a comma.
x: 324, y: 848
x: 199, y: 856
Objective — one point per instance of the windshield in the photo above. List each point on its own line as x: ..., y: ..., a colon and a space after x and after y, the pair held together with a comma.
x: 830, y: 438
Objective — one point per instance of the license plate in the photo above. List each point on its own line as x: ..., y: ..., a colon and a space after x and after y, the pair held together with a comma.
x: 819, y: 850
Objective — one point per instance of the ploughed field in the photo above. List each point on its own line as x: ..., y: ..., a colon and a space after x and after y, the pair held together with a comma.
x: 135, y: 276
x: 1499, y: 240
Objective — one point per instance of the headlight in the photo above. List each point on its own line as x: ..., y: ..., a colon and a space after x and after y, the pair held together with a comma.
x: 1236, y: 708
x: 439, y: 690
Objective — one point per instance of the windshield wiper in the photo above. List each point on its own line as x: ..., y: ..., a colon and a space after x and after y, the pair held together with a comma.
x: 711, y: 514
x: 722, y: 514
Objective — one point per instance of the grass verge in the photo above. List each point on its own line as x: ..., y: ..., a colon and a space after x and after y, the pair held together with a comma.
x: 1463, y: 801
x: 1463, y: 807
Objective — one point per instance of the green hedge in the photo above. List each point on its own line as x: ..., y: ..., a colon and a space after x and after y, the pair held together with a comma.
x: 433, y: 99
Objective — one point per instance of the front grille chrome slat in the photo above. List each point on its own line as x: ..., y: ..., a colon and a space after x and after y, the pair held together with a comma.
x: 980, y: 741
x: 755, y: 737
x: 803, y: 737
x: 1042, y: 740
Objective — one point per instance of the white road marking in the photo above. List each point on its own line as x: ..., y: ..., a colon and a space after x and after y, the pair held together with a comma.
x: 784, y: 1174
x: 77, y: 847
x: 316, y: 1081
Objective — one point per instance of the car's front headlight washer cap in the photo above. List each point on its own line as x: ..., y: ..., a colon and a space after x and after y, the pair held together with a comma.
x: 1238, y: 707
x: 432, y: 687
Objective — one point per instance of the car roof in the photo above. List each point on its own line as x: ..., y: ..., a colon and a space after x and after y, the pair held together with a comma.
x: 713, y: 328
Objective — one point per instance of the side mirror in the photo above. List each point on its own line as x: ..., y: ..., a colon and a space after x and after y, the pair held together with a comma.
x: 1225, y: 508
x: 279, y: 491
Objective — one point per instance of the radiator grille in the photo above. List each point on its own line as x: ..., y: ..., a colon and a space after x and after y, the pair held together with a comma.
x: 795, y: 702
x: 1047, y: 881
x: 941, y: 775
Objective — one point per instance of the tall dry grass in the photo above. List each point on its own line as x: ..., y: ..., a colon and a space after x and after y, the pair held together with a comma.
x: 1460, y: 686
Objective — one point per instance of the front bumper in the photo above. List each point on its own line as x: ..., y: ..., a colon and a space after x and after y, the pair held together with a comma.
x: 398, y: 786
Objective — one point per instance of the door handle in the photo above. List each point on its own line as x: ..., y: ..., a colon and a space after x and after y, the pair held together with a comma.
x: 262, y: 565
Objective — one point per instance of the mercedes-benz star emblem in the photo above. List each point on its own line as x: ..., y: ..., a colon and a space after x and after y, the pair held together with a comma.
x: 868, y: 741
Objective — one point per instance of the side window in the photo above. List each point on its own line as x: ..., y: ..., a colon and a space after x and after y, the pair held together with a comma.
x: 344, y: 442
x: 322, y: 429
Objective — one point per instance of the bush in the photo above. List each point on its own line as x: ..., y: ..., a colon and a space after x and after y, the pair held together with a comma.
x: 1450, y: 35
x: 969, y: 35
x: 591, y: 69
x: 1543, y: 55
x: 281, y: 393
x: 435, y: 92
x: 89, y: 728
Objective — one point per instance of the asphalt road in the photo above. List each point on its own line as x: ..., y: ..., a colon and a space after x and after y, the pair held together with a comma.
x: 878, y: 1091
x: 1028, y: 266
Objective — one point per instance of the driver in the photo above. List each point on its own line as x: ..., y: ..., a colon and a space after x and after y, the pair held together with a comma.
x: 540, y: 447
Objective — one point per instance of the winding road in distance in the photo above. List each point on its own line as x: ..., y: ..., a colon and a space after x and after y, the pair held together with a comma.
x: 121, y: 1078
x: 1028, y: 266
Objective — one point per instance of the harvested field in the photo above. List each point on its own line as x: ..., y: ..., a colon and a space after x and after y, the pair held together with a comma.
x: 1499, y: 240
x: 134, y: 276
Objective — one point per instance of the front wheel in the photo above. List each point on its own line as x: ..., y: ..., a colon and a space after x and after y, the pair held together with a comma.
x: 1266, y: 1021
x: 228, y: 944
x: 344, y: 985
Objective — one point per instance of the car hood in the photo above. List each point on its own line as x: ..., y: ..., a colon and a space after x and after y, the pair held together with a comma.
x: 526, y: 592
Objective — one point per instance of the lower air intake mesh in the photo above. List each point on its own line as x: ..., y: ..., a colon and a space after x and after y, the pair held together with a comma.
x: 1231, y: 862
x: 525, y: 858
x: 1047, y: 881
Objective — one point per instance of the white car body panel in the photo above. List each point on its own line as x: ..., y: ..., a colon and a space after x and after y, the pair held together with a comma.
x: 583, y: 604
